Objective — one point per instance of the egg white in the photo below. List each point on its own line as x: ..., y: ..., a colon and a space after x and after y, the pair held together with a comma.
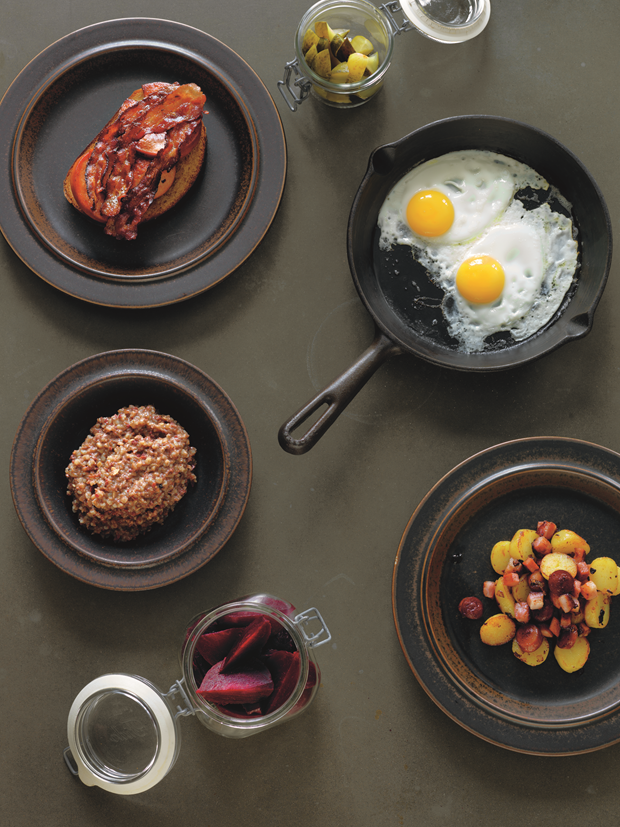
x: 480, y: 185
x: 539, y: 256
x: 535, y: 247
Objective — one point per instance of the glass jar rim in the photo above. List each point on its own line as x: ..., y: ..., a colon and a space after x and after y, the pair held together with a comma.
x: 187, y: 657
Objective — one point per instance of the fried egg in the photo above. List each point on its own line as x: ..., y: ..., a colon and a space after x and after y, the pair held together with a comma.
x: 453, y: 198
x: 502, y: 267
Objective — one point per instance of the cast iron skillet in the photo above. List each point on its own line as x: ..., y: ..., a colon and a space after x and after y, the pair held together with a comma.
x: 407, y: 312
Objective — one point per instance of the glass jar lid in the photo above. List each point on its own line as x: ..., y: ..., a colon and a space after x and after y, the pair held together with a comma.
x: 448, y: 21
x: 123, y: 735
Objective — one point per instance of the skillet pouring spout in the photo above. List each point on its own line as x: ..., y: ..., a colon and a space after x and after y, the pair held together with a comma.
x: 337, y: 395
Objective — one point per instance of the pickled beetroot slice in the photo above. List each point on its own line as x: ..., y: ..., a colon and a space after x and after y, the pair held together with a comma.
x: 235, y: 619
x: 281, y: 640
x: 251, y: 642
x: 241, y: 710
x: 244, y: 687
x: 306, y: 695
x: 252, y: 709
x: 214, y: 646
x: 311, y: 675
x: 304, y: 698
x: 284, y: 668
x: 244, y: 617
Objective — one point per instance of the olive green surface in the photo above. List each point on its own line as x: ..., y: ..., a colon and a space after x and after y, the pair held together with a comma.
x: 321, y: 529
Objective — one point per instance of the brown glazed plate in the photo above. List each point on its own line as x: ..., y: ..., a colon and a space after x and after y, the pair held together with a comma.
x: 444, y: 556
x: 60, y: 101
x: 59, y: 420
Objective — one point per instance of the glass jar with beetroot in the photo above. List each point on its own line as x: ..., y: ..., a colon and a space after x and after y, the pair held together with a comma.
x: 250, y: 665
x: 247, y: 666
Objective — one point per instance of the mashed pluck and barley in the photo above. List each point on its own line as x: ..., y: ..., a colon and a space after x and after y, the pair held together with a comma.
x: 130, y: 472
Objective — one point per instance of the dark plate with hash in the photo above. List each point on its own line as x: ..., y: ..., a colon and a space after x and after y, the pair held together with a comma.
x: 444, y: 556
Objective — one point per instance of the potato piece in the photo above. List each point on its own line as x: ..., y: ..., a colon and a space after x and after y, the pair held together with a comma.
x: 310, y: 39
x: 322, y: 64
x: 373, y: 63
x: 531, y: 658
x: 554, y: 561
x: 567, y: 542
x: 504, y: 597
x: 323, y: 29
x: 497, y: 630
x: 500, y: 556
x: 357, y: 64
x: 521, y: 544
x: 596, y: 611
x: 574, y: 658
x: 362, y: 45
x: 604, y: 574
x: 522, y: 589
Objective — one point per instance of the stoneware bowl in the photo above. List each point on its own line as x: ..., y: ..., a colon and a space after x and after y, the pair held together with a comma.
x: 60, y: 419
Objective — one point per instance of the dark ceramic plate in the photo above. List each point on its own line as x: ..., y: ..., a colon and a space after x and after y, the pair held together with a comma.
x: 59, y: 102
x: 58, y: 421
x: 444, y: 556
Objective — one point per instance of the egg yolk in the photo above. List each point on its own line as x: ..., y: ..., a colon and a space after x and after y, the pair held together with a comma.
x: 480, y: 279
x: 430, y: 213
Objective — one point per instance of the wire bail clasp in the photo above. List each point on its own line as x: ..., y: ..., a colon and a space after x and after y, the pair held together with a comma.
x: 313, y: 638
x: 176, y: 693
x: 390, y: 9
x: 289, y: 88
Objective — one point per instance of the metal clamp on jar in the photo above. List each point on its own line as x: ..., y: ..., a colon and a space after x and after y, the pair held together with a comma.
x: 332, y: 79
x: 123, y: 732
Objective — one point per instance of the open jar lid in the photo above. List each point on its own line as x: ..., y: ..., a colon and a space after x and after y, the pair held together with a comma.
x: 123, y: 734
x: 448, y: 21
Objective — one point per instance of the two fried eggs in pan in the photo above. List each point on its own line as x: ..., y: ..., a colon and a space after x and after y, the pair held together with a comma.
x: 502, y: 267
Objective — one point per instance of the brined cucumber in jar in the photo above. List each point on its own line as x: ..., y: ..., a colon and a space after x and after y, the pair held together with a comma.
x: 335, y: 56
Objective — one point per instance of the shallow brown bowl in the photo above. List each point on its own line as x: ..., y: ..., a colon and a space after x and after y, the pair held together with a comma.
x: 60, y: 419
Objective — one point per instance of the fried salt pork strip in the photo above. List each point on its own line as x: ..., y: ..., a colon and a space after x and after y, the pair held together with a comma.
x: 141, y: 195
x: 132, y: 151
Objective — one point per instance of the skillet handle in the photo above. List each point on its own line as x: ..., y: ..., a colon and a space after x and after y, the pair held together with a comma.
x: 336, y: 396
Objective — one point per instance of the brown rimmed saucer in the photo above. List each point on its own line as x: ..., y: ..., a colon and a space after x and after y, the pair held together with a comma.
x: 444, y: 556
x: 58, y: 421
x: 58, y: 104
